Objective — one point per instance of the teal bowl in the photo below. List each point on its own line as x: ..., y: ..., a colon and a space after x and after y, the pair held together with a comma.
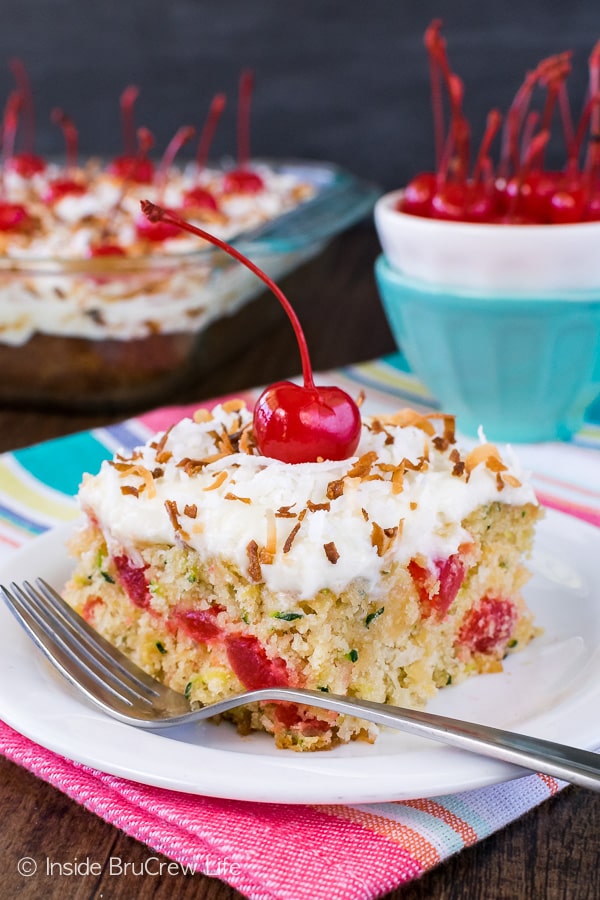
x: 525, y: 368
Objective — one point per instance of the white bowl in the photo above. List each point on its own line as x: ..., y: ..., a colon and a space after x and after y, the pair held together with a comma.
x: 496, y: 258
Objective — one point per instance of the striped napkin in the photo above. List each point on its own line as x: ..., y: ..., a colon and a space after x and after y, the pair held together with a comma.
x: 267, y: 850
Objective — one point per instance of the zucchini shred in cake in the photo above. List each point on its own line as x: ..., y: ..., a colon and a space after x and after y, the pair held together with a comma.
x: 385, y: 576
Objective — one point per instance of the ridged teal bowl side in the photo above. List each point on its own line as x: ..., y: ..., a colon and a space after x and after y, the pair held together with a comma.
x: 523, y: 367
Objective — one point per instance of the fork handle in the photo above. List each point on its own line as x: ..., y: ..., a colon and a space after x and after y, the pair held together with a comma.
x: 581, y: 767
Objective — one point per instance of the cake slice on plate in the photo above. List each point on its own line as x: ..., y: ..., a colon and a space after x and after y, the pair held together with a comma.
x: 386, y: 576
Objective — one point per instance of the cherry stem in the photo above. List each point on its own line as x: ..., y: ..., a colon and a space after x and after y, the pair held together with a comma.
x: 565, y: 114
x: 181, y: 137
x: 127, y: 103
x: 24, y: 86
x: 531, y: 122
x: 433, y: 43
x: 494, y: 121
x: 245, y: 97
x: 10, y: 123
x: 554, y: 71
x: 593, y: 154
x: 70, y: 134
x: 9, y: 131
x: 208, y: 131
x: 145, y: 142
x: 514, y: 119
x: 157, y: 214
x: 587, y: 116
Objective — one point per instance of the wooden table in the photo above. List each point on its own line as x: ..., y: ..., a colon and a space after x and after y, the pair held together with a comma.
x: 553, y: 852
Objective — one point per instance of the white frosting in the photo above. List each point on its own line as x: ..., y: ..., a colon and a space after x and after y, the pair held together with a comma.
x: 431, y: 505
x: 186, y: 293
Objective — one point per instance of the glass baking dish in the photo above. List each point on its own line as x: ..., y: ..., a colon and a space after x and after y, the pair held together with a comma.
x: 112, y: 332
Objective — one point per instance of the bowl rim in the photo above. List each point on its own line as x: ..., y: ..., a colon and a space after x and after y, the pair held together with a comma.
x: 485, y: 299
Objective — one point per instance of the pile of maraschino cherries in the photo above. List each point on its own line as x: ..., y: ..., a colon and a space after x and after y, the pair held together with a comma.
x: 514, y: 187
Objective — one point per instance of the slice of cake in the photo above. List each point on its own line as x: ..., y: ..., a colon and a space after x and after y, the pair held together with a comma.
x: 384, y: 576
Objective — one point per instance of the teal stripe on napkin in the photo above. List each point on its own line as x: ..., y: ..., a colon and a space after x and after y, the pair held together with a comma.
x: 60, y: 462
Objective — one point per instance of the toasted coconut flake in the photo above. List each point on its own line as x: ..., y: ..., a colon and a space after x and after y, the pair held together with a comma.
x: 482, y: 453
x: 360, y: 399
x: 410, y: 417
x: 146, y: 474
x: 138, y: 471
x: 363, y: 465
x: 413, y: 504
x: 365, y: 514
x: 382, y: 538
x: 376, y: 427
x: 157, y: 472
x: 230, y: 496
x: 377, y: 538
x: 335, y: 489
x: 246, y: 443
x: 511, y: 481
x: 191, y: 466
x: 234, y: 405
x: 292, y: 535
x: 173, y: 514
x: 265, y: 558
x: 495, y: 465
x: 219, y: 478
x: 398, y: 480
x: 202, y: 415
x: 285, y: 512
x: 331, y: 552
x: 130, y: 489
x: 161, y: 454
x: 421, y: 465
x: 224, y: 444
x: 254, y: 569
x: 190, y: 510
x: 449, y: 425
x: 315, y: 507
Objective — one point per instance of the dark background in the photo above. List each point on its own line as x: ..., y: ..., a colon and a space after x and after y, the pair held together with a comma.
x: 344, y: 81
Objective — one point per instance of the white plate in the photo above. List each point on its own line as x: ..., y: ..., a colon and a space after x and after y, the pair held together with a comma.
x: 552, y: 690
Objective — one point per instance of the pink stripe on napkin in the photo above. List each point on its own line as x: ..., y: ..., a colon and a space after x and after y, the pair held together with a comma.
x: 578, y: 510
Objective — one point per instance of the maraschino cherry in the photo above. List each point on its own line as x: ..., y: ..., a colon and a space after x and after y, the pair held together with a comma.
x: 13, y: 216
x: 66, y: 185
x: 199, y: 197
x: 292, y: 423
x: 133, y: 165
x: 243, y: 180
x: 159, y: 231
x: 27, y: 163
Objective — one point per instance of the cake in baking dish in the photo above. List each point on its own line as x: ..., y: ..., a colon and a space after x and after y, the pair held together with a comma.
x: 384, y: 576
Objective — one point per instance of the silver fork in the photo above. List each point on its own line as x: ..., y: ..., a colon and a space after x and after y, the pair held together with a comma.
x: 122, y: 690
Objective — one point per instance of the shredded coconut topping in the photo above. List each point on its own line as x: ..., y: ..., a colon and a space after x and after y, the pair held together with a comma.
x: 305, y: 527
